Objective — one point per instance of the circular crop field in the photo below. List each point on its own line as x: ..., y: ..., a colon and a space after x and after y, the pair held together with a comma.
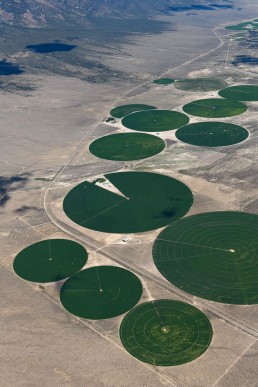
x: 155, y: 120
x: 164, y: 81
x: 212, y: 255
x: 101, y: 292
x: 240, y: 93
x: 166, y: 332
x: 200, y: 84
x: 147, y: 201
x: 123, y: 110
x: 50, y: 260
x: 215, y: 108
x: 212, y: 134
x: 127, y: 146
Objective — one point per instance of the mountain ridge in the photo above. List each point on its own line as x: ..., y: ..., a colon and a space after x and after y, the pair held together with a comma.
x: 42, y: 13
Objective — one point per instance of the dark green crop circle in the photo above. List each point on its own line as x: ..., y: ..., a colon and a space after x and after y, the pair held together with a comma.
x: 101, y: 292
x: 166, y: 332
x: 50, y: 260
x: 164, y: 81
x: 147, y: 201
x: 200, y: 84
x: 123, y: 110
x: 212, y: 255
x: 155, y: 120
x: 212, y: 134
x: 240, y: 93
x: 215, y: 108
x: 127, y: 146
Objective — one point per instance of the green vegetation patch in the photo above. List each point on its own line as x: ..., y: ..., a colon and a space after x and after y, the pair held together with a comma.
x: 166, y: 332
x: 121, y: 111
x: 212, y: 134
x: 164, y: 81
x: 215, y: 108
x: 200, y: 84
x: 155, y: 120
x: 101, y: 292
x: 127, y: 146
x: 50, y: 260
x: 212, y: 255
x: 240, y: 93
x: 148, y: 201
x: 248, y: 26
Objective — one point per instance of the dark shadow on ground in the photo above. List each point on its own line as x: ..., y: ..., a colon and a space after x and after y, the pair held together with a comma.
x: 46, y: 48
x: 8, y: 68
x: 22, y: 209
x: 245, y: 59
x: 10, y: 184
x: 200, y: 7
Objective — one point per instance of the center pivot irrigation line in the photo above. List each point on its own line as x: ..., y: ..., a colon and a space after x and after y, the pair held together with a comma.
x: 50, y: 251
x: 157, y: 312
x: 101, y: 212
x: 100, y: 289
x: 191, y: 244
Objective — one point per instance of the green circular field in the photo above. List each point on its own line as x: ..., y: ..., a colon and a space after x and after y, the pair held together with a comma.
x: 240, y: 93
x: 155, y: 120
x: 146, y: 201
x: 166, y: 332
x: 123, y: 110
x: 212, y: 134
x: 215, y: 108
x: 101, y: 292
x: 164, y: 81
x: 200, y: 84
x: 127, y: 146
x: 50, y: 260
x: 212, y: 255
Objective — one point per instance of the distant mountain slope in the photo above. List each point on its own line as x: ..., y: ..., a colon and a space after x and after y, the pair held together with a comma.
x: 37, y: 13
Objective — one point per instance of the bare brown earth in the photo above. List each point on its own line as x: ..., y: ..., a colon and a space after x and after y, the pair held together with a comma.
x: 44, y: 152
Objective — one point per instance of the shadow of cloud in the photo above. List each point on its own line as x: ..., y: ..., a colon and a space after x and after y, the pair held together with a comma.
x: 22, y: 209
x: 10, y: 184
x: 245, y: 59
x: 46, y: 48
x: 8, y: 68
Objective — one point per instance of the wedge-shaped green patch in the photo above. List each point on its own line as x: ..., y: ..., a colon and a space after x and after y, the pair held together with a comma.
x: 166, y: 332
x: 212, y: 255
x: 101, y: 292
x: 148, y: 201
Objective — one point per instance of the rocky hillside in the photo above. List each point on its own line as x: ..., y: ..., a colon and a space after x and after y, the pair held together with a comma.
x: 38, y: 13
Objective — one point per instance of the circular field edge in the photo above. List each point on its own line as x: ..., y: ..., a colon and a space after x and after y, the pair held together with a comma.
x: 105, y: 310
x: 220, y: 298
x: 179, y: 114
x: 229, y: 88
x: 138, y: 108
x: 215, y: 146
x: 241, y: 105
x: 98, y: 140
x: 164, y: 81
x: 21, y: 259
x: 187, y: 189
x: 166, y: 364
x: 178, y: 83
